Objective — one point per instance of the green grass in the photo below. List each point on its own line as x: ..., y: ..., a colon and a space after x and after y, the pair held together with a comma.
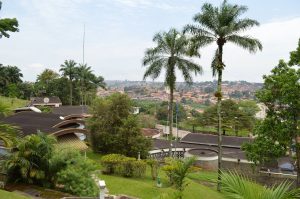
x: 11, y: 195
x: 145, y: 188
x: 13, y: 103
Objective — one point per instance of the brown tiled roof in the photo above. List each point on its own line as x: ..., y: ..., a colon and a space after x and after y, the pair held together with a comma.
x: 147, y: 132
x: 208, y: 139
x: 70, y: 110
x: 30, y: 122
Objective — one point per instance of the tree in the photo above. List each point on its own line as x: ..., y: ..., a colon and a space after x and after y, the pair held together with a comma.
x: 295, y: 56
x: 162, y: 112
x: 171, y: 53
x: 69, y: 71
x: 47, y: 76
x: 30, y: 161
x: 280, y: 129
x: 114, y: 129
x: 221, y: 25
x: 236, y: 186
x: 8, y: 25
x: 234, y: 116
x: 9, y: 75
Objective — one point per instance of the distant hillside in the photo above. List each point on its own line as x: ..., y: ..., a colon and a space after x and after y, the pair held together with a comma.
x: 13, y: 103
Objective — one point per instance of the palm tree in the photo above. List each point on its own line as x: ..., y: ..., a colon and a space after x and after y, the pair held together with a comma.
x: 69, y: 70
x: 8, y: 25
x: 8, y: 133
x: 236, y: 186
x: 32, y: 158
x: 221, y: 25
x: 84, y: 75
x: 170, y: 53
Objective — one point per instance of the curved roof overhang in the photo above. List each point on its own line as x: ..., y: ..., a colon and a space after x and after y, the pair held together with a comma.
x: 74, y: 116
x: 66, y: 122
x: 69, y: 130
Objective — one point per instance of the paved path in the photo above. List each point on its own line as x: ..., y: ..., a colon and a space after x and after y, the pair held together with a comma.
x: 165, y: 130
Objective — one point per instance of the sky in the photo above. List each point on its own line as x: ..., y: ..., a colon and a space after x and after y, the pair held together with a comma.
x: 119, y: 31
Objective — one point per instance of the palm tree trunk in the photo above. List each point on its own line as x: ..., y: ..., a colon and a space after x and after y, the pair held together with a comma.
x: 171, y: 121
x: 219, y: 95
x: 71, y: 92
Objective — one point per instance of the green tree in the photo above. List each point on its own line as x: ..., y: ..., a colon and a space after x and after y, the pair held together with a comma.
x: 280, y: 129
x: 234, y: 117
x: 8, y: 25
x: 236, y: 186
x: 221, y: 25
x: 77, y: 178
x: 162, y: 112
x: 47, y: 76
x: 171, y: 53
x: 295, y: 56
x: 30, y: 162
x: 9, y: 75
x: 69, y: 70
x: 113, y: 128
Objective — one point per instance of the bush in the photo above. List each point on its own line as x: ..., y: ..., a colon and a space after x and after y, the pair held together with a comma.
x: 154, y: 165
x: 77, y: 178
x: 110, y: 162
x: 122, y: 165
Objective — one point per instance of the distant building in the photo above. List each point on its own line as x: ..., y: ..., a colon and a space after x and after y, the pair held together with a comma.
x: 45, y: 101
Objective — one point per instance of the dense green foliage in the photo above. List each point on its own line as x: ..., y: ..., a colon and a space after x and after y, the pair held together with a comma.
x: 162, y: 112
x: 295, y: 56
x: 35, y: 160
x: 82, y: 85
x: 236, y: 186
x: 8, y: 25
x: 122, y: 165
x: 30, y: 161
x: 114, y: 129
x: 235, y: 116
x: 279, y: 130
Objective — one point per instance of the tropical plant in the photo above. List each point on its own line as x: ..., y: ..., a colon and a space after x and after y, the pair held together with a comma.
x: 31, y: 159
x: 68, y: 69
x: 8, y: 133
x: 84, y: 76
x: 171, y: 53
x: 221, y: 25
x: 177, y: 170
x: 237, y: 186
x: 8, y: 25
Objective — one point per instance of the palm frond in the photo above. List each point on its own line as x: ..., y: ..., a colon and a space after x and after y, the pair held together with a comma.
x: 246, y: 42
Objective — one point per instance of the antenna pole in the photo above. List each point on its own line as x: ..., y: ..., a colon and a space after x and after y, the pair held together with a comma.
x: 83, y: 42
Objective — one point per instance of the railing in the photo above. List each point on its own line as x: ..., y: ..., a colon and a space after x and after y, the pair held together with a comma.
x: 163, y: 153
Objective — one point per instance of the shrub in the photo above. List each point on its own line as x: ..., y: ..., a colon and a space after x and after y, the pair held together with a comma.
x: 122, y: 165
x: 110, y: 162
x: 77, y: 178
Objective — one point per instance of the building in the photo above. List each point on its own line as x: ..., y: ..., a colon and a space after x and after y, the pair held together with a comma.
x: 68, y: 129
x: 45, y: 101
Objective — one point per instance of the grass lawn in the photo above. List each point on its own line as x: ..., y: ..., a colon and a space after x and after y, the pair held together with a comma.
x: 145, y: 188
x: 13, y: 103
x: 11, y: 195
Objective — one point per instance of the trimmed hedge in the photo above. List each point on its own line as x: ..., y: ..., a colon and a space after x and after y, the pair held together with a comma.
x: 122, y: 165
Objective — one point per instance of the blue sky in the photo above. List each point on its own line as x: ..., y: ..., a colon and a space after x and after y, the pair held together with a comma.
x: 119, y: 31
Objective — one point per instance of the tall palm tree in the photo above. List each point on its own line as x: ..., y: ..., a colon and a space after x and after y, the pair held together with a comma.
x: 84, y: 76
x: 236, y: 186
x: 69, y: 70
x: 170, y: 53
x: 221, y: 25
